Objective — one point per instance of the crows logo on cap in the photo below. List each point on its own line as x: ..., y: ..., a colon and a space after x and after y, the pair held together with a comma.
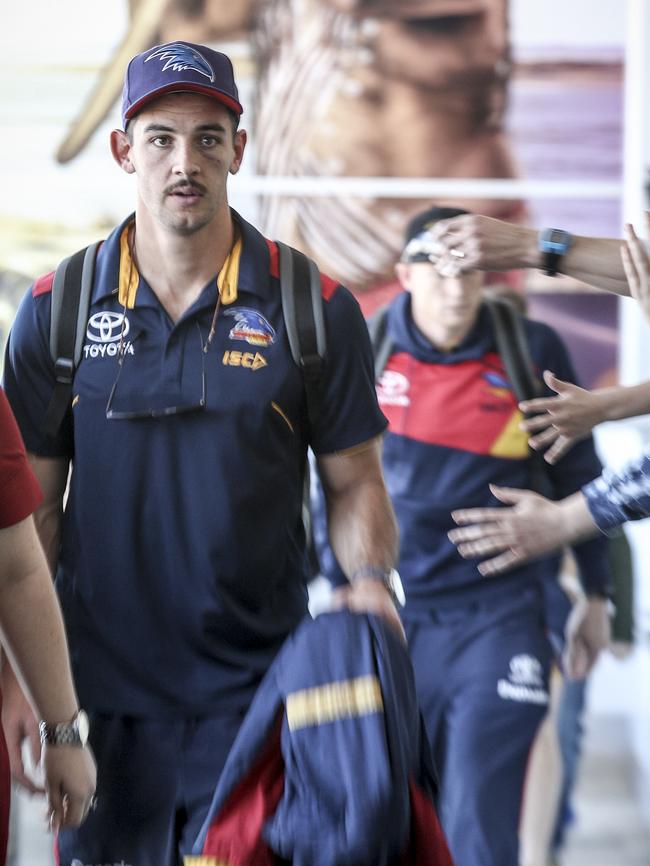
x: 251, y: 327
x: 180, y: 57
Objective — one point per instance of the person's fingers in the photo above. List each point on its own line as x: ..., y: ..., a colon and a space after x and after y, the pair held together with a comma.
x: 544, y: 439
x: 471, y: 549
x: 76, y: 809
x: 560, y: 386
x: 561, y: 446
x: 18, y: 769
x: 21, y: 778
x: 55, y: 808
x: 475, y: 515
x: 628, y: 267
x: 537, y: 422
x: 638, y: 254
x: 510, y: 495
x: 501, y: 563
x: 476, y: 531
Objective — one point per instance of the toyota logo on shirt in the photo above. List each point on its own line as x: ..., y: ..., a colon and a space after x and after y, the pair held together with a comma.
x: 107, y: 327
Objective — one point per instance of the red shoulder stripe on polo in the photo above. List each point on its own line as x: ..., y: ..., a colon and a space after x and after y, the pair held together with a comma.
x: 274, y: 264
x: 327, y: 284
x: 43, y: 285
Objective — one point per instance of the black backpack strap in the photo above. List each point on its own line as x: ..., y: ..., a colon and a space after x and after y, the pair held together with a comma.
x: 304, y: 317
x: 381, y: 343
x: 71, y: 290
x: 512, y: 346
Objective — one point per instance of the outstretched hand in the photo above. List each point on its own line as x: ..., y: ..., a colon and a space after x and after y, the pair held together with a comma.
x: 531, y: 527
x: 636, y: 262
x: 559, y: 422
x: 474, y: 241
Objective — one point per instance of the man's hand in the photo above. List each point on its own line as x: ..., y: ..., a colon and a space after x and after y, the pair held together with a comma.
x: 587, y: 633
x: 636, y: 263
x: 534, y: 526
x: 70, y: 780
x: 473, y: 241
x: 562, y: 421
x: 19, y: 724
x: 369, y: 596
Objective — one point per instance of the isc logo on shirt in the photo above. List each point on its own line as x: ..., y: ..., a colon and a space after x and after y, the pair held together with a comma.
x: 250, y: 360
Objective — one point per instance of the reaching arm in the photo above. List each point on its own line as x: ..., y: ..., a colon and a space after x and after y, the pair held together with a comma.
x: 33, y: 633
x: 559, y: 422
x: 18, y: 718
x: 475, y: 241
x: 531, y: 527
x: 362, y: 527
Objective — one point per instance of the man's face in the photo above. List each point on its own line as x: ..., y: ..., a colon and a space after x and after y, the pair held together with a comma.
x: 181, y: 149
x: 453, y: 302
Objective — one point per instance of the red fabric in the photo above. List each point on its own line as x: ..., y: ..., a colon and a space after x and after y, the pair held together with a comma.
x: 19, y: 491
x: 43, y: 285
x: 427, y: 845
x: 327, y: 285
x: 236, y: 835
x: 414, y: 395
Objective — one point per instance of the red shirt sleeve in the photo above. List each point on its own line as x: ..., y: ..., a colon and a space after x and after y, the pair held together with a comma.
x: 20, y: 494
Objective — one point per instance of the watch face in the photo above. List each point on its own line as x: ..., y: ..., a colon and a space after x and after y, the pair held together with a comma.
x: 554, y: 241
x: 395, y: 582
x: 83, y: 727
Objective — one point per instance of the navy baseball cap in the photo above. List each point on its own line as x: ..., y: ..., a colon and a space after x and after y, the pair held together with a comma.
x: 178, y: 67
x: 419, y: 226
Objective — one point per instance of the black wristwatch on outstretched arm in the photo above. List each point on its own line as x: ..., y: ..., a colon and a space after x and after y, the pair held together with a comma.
x: 553, y: 244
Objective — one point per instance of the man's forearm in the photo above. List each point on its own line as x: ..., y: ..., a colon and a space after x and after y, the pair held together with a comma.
x: 475, y: 241
x: 626, y: 401
x: 52, y: 475
x: 32, y: 626
x: 362, y: 528
x: 595, y: 261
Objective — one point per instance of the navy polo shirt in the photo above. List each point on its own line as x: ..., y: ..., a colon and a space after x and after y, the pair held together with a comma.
x: 182, y: 564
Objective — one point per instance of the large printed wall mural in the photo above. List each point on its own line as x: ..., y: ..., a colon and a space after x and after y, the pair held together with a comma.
x: 379, y: 88
x: 361, y: 88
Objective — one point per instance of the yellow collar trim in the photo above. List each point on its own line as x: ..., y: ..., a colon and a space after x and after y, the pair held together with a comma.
x: 229, y: 274
x: 129, y: 278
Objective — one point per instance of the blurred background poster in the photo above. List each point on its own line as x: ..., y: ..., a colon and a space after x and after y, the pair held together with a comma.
x: 360, y: 114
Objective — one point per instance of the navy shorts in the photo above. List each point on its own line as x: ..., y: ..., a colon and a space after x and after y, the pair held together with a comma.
x: 156, y: 779
x: 481, y: 674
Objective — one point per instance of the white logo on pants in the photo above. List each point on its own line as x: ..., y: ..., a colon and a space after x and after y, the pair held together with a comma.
x: 525, y: 682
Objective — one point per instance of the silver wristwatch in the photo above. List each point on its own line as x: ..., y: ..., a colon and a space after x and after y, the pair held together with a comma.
x: 389, y: 577
x: 72, y: 733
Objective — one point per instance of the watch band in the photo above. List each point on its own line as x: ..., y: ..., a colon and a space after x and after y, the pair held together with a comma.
x: 389, y: 577
x: 72, y: 733
x: 553, y: 244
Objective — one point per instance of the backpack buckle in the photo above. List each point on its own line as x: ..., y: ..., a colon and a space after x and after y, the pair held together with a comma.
x: 64, y: 370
